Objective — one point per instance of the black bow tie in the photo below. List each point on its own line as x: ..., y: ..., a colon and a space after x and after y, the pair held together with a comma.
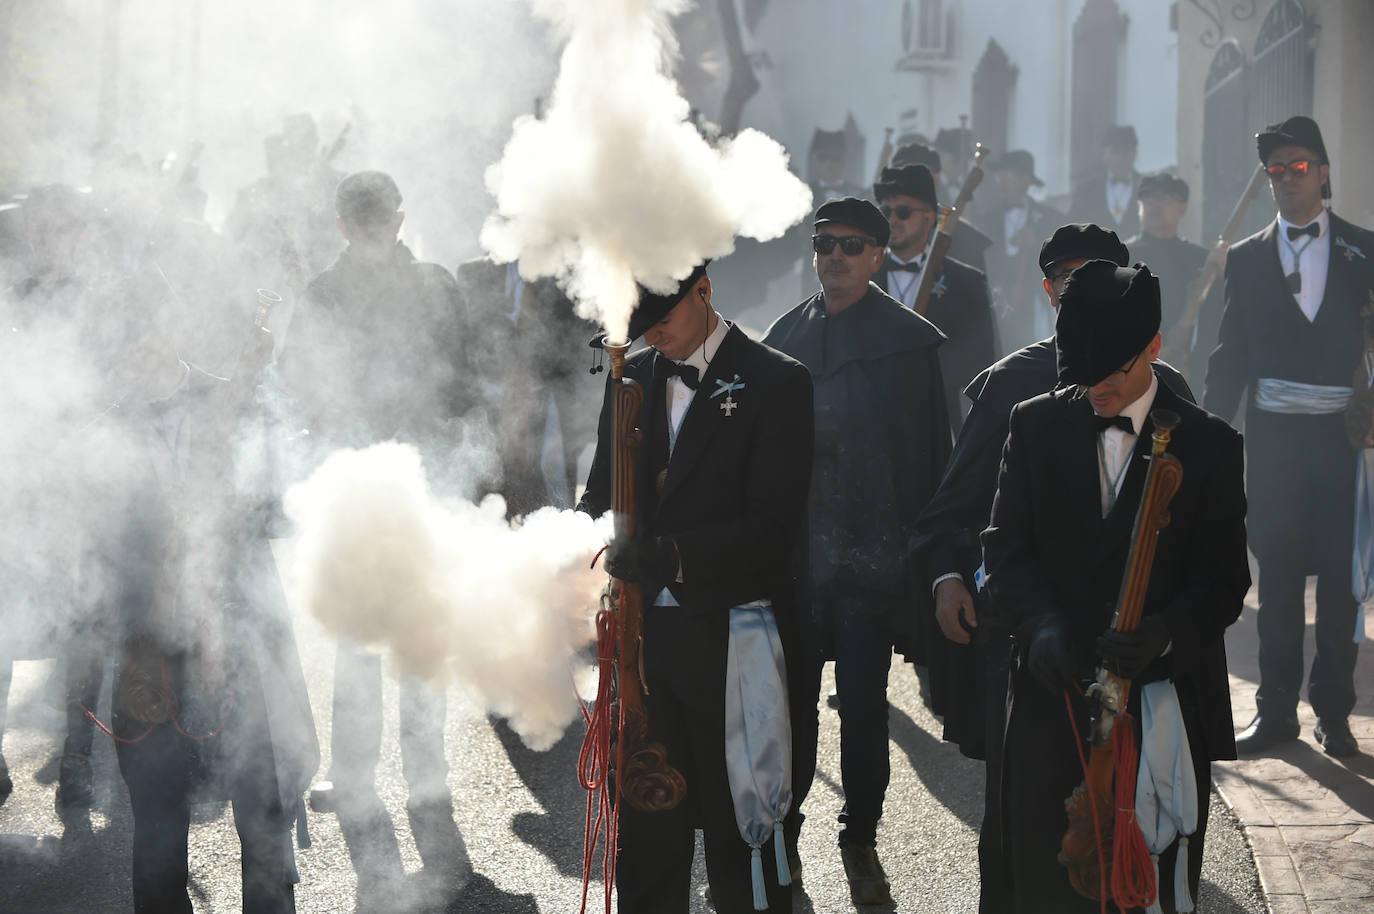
x: 912, y: 267
x: 1102, y: 423
x: 1294, y: 233
x: 688, y: 373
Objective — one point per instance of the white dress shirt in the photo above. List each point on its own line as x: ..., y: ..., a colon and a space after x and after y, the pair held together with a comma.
x: 902, y: 285
x: 1119, y: 197
x: 1012, y: 222
x: 1117, y: 447
x: 1313, y: 258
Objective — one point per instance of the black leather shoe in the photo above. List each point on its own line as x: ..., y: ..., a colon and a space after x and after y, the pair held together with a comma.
x: 74, y: 788
x: 1335, y: 737
x: 867, y: 882
x: 1265, y: 732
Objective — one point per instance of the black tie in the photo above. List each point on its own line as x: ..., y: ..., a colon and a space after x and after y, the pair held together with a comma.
x: 1102, y: 423
x: 1294, y: 233
x: 688, y: 373
x: 912, y: 267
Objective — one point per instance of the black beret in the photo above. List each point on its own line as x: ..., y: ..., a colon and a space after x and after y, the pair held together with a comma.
x: 367, y: 197
x: 912, y: 180
x: 1082, y: 241
x: 1164, y: 183
x: 861, y: 214
x: 1120, y: 136
x: 1017, y: 160
x: 917, y: 154
x: 654, y: 306
x: 1108, y: 314
x: 1296, y: 131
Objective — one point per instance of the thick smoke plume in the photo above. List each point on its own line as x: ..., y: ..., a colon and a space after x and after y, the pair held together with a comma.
x: 614, y: 184
x: 449, y: 589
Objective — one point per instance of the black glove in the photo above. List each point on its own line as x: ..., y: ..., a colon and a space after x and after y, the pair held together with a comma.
x: 1128, y: 654
x: 650, y: 560
x: 1051, y: 656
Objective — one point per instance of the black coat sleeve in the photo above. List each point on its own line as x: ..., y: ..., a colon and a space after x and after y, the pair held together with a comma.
x: 1228, y: 368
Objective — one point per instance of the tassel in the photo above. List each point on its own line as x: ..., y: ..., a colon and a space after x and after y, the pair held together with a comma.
x: 302, y: 829
x: 1154, y: 907
x: 760, y: 894
x: 1183, y: 899
x: 780, y: 855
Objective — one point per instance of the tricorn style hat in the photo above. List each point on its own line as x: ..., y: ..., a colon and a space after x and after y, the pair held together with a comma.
x: 1296, y: 131
x: 654, y: 306
x: 367, y: 198
x: 1120, y: 136
x: 1161, y: 182
x: 1017, y: 160
x: 1108, y: 314
x: 912, y: 180
x: 917, y: 154
x: 1082, y: 241
x: 861, y: 214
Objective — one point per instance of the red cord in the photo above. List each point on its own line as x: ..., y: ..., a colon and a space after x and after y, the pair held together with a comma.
x: 110, y: 733
x: 1133, y: 871
x: 171, y: 709
x: 1092, y: 801
x: 594, y: 764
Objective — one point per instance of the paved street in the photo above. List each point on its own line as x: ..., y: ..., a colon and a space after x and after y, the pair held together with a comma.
x: 520, y: 815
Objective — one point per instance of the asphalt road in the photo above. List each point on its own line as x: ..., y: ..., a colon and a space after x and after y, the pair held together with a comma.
x: 520, y: 815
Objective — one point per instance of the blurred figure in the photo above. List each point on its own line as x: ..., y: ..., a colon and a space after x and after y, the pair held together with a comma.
x: 827, y: 162
x: 955, y: 147
x: 1017, y: 223
x: 1108, y: 198
x: 379, y: 352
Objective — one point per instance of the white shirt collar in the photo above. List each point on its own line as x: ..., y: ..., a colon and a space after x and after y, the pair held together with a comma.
x: 1140, y: 407
x: 919, y: 257
x: 712, y: 343
x: 1323, y: 219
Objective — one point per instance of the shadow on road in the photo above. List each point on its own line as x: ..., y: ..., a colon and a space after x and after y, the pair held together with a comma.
x: 962, y: 797
x: 552, y: 779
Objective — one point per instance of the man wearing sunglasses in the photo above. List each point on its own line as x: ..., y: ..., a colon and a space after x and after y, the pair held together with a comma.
x: 1292, y: 336
x: 958, y: 303
x: 1056, y: 550
x: 882, y: 439
x: 970, y: 245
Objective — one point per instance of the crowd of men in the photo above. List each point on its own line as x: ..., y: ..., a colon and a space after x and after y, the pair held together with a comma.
x: 952, y: 476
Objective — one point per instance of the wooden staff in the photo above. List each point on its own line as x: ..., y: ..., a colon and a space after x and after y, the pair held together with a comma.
x: 944, y: 238
x: 1179, y: 343
x: 647, y: 781
x: 1091, y: 809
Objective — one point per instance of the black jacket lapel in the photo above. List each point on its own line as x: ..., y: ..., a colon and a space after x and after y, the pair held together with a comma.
x: 1120, y: 521
x: 1081, y: 473
x: 1343, y: 283
x: 703, y: 415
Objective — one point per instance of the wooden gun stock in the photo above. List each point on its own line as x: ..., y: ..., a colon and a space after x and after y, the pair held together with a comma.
x: 944, y: 238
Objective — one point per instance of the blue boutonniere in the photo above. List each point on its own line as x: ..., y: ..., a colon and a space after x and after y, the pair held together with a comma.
x: 728, y: 388
x: 1351, y: 251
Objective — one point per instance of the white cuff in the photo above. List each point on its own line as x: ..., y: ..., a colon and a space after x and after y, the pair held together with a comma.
x: 945, y: 577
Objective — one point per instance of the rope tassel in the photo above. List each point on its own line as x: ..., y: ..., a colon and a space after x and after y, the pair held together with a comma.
x: 1183, y: 899
x: 756, y: 869
x: 780, y: 855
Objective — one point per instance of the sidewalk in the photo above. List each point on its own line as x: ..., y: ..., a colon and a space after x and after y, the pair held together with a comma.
x: 1308, y: 817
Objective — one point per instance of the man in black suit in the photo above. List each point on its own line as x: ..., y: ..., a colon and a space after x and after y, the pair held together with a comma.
x: 1292, y: 334
x: 882, y: 438
x: 969, y: 245
x: 1072, y: 477
x: 721, y: 489
x: 1016, y: 223
x: 958, y: 302
x: 1108, y: 198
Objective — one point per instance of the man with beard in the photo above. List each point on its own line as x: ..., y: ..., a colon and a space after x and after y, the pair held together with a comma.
x: 882, y: 439
x: 1292, y: 334
x: 721, y: 478
x: 969, y: 245
x: 1057, y: 550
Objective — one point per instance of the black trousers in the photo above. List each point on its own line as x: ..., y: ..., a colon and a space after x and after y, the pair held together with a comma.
x: 1041, y: 769
x: 992, y: 866
x: 684, y: 667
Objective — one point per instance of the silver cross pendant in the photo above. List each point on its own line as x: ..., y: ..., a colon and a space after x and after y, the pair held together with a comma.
x: 729, y: 405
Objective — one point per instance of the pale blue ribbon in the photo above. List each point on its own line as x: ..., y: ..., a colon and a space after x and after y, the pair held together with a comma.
x: 1166, y: 798
x: 1354, y: 249
x: 726, y: 387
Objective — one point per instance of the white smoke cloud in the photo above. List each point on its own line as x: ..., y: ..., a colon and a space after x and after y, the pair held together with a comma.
x: 613, y: 184
x: 450, y: 589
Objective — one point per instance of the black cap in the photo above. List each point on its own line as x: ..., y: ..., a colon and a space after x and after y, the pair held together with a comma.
x: 1108, y: 314
x: 1017, y: 160
x: 1120, y: 136
x: 827, y: 139
x: 367, y: 198
x: 1082, y: 241
x: 912, y: 180
x: 954, y: 140
x: 917, y: 154
x: 1296, y: 131
x: 654, y: 306
x: 1161, y: 182
x: 861, y: 214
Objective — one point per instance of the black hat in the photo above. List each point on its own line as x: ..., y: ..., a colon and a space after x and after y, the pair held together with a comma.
x: 654, y: 306
x: 954, y: 140
x: 1120, y: 136
x: 1296, y: 131
x: 1107, y: 315
x: 861, y: 214
x: 827, y: 139
x: 1017, y: 160
x: 1163, y: 183
x: 367, y: 198
x: 917, y: 154
x: 912, y: 180
x: 1082, y: 241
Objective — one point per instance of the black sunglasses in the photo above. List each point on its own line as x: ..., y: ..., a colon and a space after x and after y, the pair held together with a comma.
x: 903, y: 212
x: 851, y: 245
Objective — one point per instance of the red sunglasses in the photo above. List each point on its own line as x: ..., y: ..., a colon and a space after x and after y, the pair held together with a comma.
x: 1299, y: 167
